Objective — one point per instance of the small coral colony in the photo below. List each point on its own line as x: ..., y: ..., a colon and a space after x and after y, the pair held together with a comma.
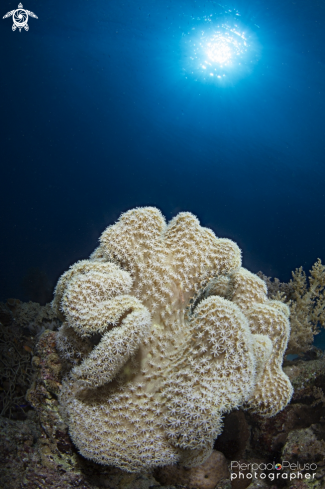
x: 163, y: 333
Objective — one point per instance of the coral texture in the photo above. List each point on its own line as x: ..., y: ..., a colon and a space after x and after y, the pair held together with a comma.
x: 306, y: 300
x: 164, y: 331
x: 268, y: 321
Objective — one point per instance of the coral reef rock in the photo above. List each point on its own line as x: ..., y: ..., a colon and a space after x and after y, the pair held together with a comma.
x: 205, y: 476
x: 163, y: 332
x: 30, y: 315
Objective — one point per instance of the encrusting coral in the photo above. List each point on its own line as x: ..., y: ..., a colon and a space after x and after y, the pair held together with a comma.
x: 164, y: 332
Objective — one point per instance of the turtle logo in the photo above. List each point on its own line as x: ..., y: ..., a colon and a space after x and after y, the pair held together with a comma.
x: 20, y: 18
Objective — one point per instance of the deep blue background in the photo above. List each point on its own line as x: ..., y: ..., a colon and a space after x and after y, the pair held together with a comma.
x: 97, y: 117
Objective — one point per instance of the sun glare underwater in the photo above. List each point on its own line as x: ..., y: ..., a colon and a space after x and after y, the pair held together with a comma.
x: 220, y: 47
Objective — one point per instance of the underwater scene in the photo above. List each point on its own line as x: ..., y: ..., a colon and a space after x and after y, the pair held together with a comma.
x: 162, y: 286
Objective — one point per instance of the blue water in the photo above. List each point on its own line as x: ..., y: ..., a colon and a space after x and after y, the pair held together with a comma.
x: 103, y: 109
x: 319, y: 340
